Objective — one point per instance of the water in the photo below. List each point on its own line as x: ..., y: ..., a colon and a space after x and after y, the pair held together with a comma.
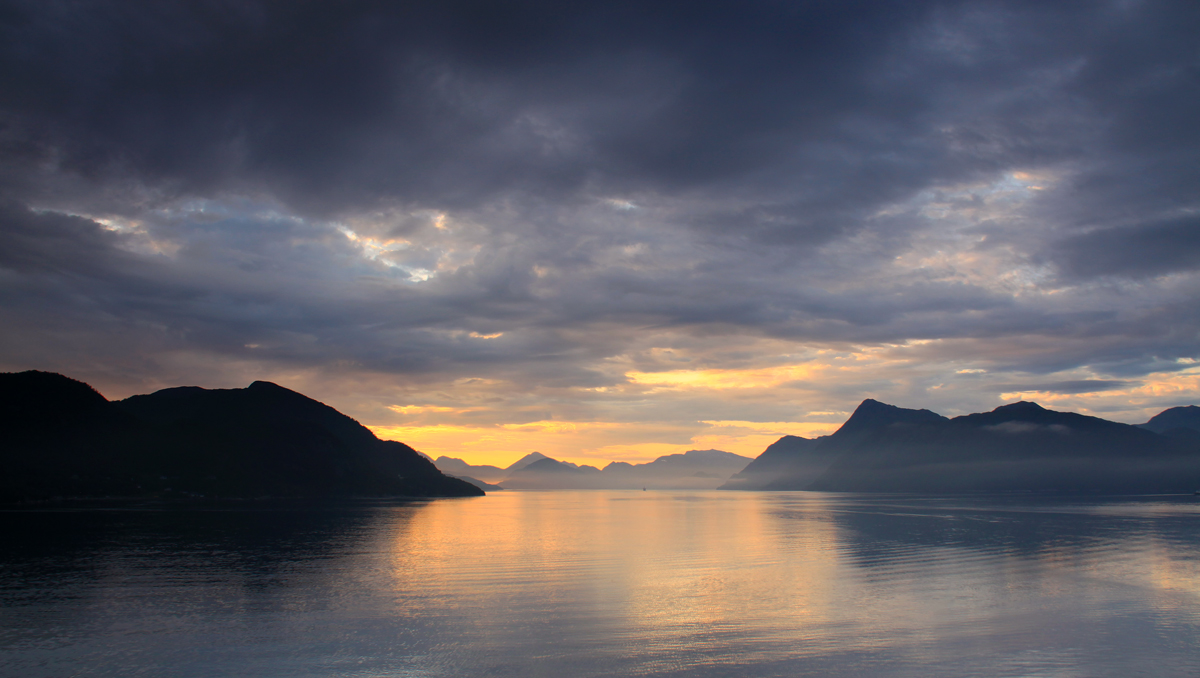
x: 600, y: 583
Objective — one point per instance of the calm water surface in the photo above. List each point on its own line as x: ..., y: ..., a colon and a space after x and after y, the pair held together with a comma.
x: 608, y: 583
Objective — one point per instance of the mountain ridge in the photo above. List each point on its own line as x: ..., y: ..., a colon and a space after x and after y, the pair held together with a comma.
x: 1015, y: 447
x: 190, y: 442
x: 1186, y: 417
x: 694, y: 469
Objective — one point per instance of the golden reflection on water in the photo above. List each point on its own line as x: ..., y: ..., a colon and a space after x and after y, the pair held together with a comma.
x: 658, y: 566
x: 665, y: 574
x: 611, y: 583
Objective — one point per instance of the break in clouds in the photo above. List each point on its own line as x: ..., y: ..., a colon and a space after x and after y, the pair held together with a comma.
x: 511, y: 214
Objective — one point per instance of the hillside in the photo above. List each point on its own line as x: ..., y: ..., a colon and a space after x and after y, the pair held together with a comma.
x: 1015, y: 448
x: 1175, y: 418
x: 66, y: 440
x: 791, y: 460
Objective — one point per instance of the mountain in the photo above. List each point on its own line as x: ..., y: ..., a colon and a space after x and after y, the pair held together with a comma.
x: 791, y: 460
x: 694, y: 469
x: 61, y: 437
x: 460, y: 468
x: 548, y: 465
x: 1175, y: 418
x: 484, y: 473
x: 551, y: 474
x: 1014, y: 448
x: 871, y: 416
x: 65, y: 439
x: 525, y: 461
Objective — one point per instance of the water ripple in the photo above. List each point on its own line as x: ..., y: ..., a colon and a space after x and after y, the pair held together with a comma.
x: 609, y: 583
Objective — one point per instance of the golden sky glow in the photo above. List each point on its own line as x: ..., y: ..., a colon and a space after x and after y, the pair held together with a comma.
x: 721, y: 379
x: 645, y: 409
x: 593, y: 260
x: 441, y: 430
x: 1184, y: 385
x: 593, y: 442
x: 479, y: 434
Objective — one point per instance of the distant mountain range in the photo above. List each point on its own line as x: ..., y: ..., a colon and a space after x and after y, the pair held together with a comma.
x: 483, y: 474
x: 1020, y: 447
x: 63, y: 439
x: 695, y: 469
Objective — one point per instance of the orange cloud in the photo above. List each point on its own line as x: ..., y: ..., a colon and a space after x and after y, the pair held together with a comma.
x: 1145, y: 399
x: 761, y: 377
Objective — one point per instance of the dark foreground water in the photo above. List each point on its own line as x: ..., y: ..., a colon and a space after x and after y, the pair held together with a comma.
x: 608, y: 583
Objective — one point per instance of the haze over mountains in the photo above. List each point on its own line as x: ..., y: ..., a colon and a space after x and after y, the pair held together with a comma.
x: 695, y: 469
x: 63, y: 439
x: 1014, y: 448
x: 484, y: 473
x: 1021, y: 447
x: 1183, y: 422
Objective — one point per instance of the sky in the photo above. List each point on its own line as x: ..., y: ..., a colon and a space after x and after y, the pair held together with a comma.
x: 607, y: 231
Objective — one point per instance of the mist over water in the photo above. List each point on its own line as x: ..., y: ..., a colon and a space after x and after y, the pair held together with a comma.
x: 608, y: 583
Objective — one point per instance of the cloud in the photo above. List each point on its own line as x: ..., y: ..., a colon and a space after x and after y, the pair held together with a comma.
x: 816, y: 115
x: 1068, y: 387
x: 505, y: 210
x: 1135, y: 251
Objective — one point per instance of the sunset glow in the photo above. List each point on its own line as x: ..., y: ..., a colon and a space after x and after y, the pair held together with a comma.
x: 612, y: 244
x: 815, y: 339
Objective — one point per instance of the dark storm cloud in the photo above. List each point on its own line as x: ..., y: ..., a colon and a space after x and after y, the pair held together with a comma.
x: 55, y: 243
x: 605, y: 171
x: 1068, y: 387
x: 279, y: 291
x: 812, y: 114
x: 335, y: 104
x: 1135, y: 251
x: 820, y: 110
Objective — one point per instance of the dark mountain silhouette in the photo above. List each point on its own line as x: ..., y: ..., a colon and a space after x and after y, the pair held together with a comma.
x: 792, y: 460
x: 34, y: 400
x: 1175, y: 418
x: 872, y: 416
x: 61, y: 437
x: 66, y: 440
x: 1017, y: 447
